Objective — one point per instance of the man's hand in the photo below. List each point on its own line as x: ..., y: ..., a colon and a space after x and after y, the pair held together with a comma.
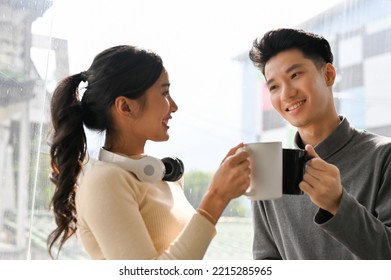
x: 322, y: 182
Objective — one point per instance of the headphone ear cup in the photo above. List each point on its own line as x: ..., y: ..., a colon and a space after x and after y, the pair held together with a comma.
x: 174, y: 169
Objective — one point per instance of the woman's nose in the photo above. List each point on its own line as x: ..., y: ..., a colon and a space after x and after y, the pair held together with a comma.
x: 173, y: 105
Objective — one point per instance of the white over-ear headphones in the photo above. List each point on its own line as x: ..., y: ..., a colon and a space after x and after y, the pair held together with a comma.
x: 147, y: 168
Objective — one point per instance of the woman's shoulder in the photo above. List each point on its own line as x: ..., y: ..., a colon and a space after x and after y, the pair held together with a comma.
x: 104, y: 174
x: 101, y: 169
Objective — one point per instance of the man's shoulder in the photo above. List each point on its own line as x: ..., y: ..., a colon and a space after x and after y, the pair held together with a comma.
x: 371, y: 141
x: 373, y: 137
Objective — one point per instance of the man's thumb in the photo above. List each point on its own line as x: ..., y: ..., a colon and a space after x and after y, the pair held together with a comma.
x: 311, y: 151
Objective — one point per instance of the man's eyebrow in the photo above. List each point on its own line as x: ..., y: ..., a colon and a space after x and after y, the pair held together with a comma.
x: 269, y: 82
x: 291, y: 68
x: 165, y: 85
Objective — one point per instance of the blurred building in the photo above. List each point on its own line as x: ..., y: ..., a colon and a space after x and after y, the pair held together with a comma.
x: 22, y: 100
x: 359, y: 32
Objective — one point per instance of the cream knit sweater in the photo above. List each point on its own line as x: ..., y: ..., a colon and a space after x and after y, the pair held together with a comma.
x: 120, y: 217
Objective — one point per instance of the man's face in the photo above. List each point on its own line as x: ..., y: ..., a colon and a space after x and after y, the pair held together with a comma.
x: 299, y: 91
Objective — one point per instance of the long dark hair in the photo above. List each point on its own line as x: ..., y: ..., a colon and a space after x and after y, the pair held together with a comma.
x: 118, y: 71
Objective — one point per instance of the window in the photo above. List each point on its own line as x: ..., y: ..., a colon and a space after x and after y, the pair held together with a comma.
x: 205, y: 51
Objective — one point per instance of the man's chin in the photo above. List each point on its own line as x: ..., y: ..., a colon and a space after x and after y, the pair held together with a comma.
x: 296, y: 122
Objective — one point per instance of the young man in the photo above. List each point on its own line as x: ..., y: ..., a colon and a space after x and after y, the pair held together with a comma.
x: 345, y: 212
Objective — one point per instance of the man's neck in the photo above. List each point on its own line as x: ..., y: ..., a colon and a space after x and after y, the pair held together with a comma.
x: 313, y: 134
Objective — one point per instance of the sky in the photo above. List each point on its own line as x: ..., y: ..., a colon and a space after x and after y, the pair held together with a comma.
x: 198, y: 41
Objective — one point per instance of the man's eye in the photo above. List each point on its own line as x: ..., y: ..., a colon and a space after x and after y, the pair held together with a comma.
x: 294, y: 75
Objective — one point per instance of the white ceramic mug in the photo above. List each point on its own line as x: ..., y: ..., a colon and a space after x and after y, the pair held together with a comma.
x: 266, y: 174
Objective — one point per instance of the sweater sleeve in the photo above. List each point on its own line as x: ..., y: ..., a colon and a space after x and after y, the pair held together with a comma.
x: 365, y: 233
x: 193, y: 242
x: 117, y: 229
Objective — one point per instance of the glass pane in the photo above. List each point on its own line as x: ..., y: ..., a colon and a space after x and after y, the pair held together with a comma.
x: 221, y: 96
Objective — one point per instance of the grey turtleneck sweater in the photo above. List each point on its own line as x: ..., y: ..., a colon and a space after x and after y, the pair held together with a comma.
x: 292, y: 227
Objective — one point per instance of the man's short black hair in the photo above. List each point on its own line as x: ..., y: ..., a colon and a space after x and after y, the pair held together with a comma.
x: 313, y: 46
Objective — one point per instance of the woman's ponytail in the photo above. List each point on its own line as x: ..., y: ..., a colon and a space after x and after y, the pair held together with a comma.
x: 67, y: 151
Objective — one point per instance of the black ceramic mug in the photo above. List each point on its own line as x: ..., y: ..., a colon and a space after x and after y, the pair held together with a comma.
x: 293, y: 161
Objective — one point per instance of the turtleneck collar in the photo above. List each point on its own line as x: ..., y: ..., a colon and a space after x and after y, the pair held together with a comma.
x: 332, y: 143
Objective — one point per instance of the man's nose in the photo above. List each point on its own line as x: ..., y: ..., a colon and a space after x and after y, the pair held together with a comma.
x: 288, y: 91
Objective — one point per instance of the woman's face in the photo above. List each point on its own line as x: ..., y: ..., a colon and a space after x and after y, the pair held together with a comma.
x: 151, y: 120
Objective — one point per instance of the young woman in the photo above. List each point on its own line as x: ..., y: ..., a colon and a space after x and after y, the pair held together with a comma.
x: 116, y: 214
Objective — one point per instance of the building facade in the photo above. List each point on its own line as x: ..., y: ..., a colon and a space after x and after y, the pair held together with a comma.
x: 23, y: 95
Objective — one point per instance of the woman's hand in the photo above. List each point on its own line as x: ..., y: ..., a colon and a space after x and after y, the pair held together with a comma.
x: 230, y: 181
x: 233, y: 176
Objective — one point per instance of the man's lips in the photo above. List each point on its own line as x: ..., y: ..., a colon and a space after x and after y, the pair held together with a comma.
x: 295, y: 105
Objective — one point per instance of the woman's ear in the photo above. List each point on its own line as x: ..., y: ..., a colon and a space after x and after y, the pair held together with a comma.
x: 123, y: 106
x: 329, y: 74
